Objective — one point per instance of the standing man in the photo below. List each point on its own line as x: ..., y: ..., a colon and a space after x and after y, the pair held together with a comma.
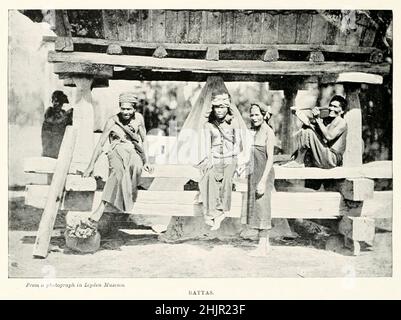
x: 324, y: 143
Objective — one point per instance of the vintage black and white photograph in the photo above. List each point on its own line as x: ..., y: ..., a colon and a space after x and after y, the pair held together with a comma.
x: 200, y: 143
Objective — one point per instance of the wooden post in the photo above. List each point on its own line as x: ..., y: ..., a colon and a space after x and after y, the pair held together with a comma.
x: 287, y: 130
x: 354, y: 149
x: 54, y: 196
x: 83, y: 121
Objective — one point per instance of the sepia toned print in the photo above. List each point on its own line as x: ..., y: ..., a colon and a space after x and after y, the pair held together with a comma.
x: 200, y: 143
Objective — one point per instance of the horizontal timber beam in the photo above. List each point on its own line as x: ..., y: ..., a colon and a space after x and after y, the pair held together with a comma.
x: 223, y: 66
x: 220, y: 47
x: 373, y: 170
x: 312, y: 205
x: 84, y: 68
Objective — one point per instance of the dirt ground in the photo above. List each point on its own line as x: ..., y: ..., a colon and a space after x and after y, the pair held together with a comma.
x: 139, y: 254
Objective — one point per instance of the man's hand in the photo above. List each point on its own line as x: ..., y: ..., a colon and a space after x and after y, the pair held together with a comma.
x: 148, y: 167
x: 319, y: 121
x: 316, y: 112
x: 89, y: 171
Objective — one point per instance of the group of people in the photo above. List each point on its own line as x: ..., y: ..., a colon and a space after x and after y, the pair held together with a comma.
x: 322, y: 141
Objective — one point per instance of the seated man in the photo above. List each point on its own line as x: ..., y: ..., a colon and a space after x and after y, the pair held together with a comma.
x: 323, y: 141
x: 126, y: 154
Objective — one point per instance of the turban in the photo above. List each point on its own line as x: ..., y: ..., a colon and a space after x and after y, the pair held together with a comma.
x: 128, y: 97
x: 221, y: 100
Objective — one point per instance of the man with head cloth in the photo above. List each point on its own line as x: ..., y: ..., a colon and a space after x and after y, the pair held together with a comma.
x: 222, y: 145
x: 127, y: 156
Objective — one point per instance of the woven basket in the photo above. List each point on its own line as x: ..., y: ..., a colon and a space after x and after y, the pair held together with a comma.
x: 88, y: 245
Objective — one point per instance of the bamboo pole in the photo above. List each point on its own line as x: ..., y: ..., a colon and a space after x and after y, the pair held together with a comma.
x: 55, y: 191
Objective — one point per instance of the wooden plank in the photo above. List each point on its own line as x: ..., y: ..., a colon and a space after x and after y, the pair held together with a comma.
x: 78, y: 183
x: 240, y: 32
x: 109, y: 28
x: 122, y: 26
x: 83, y: 120
x: 380, y: 206
x: 84, y: 68
x: 223, y: 46
x: 318, y: 29
x: 182, y: 26
x: 146, y: 23
x: 171, y: 25
x: 227, y: 27
x: 256, y: 27
x: 304, y: 25
x: 287, y: 28
x: 367, y: 37
x: 158, y: 25
x: 359, y: 189
x: 226, y: 66
x: 354, y: 36
x: 134, y: 25
x: 354, y: 148
x: 64, y: 44
x: 313, y: 205
x: 341, y: 37
x: 308, y: 205
x: 213, y: 27
x: 373, y: 170
x: 269, y: 33
x: 194, y: 26
x: 39, y: 164
x: 378, y: 170
x: 53, y: 196
x: 288, y: 128
x: 357, y: 228
x: 331, y: 34
x: 359, y: 77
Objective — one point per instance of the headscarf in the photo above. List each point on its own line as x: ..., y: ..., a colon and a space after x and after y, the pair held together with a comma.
x: 129, y: 97
x: 221, y: 99
x: 264, y: 109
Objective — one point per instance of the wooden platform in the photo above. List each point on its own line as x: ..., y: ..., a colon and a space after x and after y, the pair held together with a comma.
x: 374, y: 170
x: 183, y: 203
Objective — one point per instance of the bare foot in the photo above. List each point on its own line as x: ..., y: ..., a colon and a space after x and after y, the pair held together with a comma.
x: 217, y: 222
x: 293, y: 164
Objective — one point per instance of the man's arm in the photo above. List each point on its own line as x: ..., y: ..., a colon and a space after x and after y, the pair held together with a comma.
x: 98, y: 148
x: 142, y: 133
x: 332, y: 132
